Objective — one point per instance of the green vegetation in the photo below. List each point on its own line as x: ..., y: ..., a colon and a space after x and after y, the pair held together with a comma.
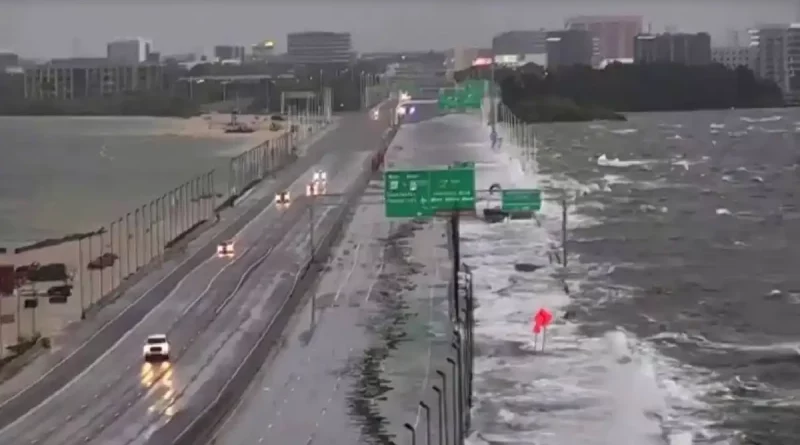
x: 160, y: 104
x: 581, y: 93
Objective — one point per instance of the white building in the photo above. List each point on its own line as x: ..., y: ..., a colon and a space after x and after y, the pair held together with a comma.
x: 776, y: 51
x: 129, y: 51
x: 734, y: 56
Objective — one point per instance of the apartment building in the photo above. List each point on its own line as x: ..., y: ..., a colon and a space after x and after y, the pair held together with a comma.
x: 688, y: 49
x: 90, y: 77
x: 777, y: 56
x: 733, y: 56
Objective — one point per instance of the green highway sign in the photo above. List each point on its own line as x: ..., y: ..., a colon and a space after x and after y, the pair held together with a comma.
x: 423, y: 193
x: 521, y: 200
x: 448, y: 99
x: 470, y: 96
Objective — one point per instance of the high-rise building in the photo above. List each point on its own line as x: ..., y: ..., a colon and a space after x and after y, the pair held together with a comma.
x: 569, y: 47
x: 614, y: 34
x: 776, y: 56
x: 128, y: 51
x: 229, y: 52
x: 688, y: 49
x: 320, y: 47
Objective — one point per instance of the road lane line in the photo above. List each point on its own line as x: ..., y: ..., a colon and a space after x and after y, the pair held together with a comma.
x: 83, y: 345
x: 259, y: 260
x: 349, y: 274
x: 430, y: 344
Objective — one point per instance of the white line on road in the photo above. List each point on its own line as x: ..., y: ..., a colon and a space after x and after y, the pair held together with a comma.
x: 83, y: 345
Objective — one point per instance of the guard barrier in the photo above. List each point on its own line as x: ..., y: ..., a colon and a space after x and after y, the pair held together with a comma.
x: 198, y: 428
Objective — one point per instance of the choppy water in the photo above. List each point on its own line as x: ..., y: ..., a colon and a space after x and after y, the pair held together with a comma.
x: 681, y: 281
x: 692, y: 225
x: 61, y: 175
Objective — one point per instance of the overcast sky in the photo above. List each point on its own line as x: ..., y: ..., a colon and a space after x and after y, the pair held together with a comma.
x: 63, y: 28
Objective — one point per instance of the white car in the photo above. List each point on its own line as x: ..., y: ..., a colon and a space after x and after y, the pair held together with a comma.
x: 156, y: 347
x: 320, y: 176
x: 283, y: 198
x: 225, y: 249
x: 315, y: 189
x: 376, y: 113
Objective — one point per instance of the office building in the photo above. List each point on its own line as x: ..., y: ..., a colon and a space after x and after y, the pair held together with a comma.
x: 517, y: 48
x: 128, y: 51
x: 776, y: 50
x: 687, y: 49
x: 569, y: 47
x: 733, y: 56
x: 614, y: 34
x: 229, y: 52
x: 263, y: 51
x: 320, y: 47
x: 91, y: 77
x: 520, y: 42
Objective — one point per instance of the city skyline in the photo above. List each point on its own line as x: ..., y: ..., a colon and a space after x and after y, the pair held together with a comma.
x: 84, y: 28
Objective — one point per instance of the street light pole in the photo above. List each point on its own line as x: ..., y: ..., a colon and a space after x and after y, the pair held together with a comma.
x: 456, y: 408
x: 427, y: 422
x: 413, y: 433
x: 443, y: 426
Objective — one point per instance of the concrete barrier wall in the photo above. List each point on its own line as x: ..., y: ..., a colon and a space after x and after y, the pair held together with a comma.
x: 198, y: 427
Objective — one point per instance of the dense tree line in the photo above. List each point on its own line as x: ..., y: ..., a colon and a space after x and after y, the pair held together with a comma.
x: 632, y: 87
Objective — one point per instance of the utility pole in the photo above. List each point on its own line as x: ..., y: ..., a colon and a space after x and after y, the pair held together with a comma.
x: 493, y: 107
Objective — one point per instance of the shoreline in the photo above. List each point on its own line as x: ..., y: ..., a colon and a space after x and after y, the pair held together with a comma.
x: 207, y: 126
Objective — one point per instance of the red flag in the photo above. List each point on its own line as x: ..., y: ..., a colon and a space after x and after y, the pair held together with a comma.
x: 541, y: 320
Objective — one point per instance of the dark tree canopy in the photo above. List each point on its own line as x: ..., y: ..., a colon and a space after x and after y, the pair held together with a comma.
x: 634, y: 87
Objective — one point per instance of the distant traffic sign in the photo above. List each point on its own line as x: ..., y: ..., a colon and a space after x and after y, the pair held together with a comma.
x: 521, y: 200
x: 423, y: 193
x: 460, y: 98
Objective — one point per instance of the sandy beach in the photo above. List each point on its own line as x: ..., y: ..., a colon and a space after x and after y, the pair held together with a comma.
x: 132, y: 245
x: 213, y: 126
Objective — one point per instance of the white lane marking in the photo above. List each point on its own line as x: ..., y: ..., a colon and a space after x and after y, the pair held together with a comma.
x: 128, y: 334
x: 430, y: 344
x: 350, y: 273
x: 227, y: 339
x: 378, y: 275
x: 149, y: 314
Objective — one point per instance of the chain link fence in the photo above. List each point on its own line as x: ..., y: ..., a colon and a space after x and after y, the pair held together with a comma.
x: 90, y: 269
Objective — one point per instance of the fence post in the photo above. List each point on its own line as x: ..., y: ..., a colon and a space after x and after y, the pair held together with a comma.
x: 564, y: 230
x: 150, y: 223
x: 136, y: 238
x: 163, y: 206
x: 111, y: 238
x: 102, y: 268
x: 80, y: 277
x: 213, y: 192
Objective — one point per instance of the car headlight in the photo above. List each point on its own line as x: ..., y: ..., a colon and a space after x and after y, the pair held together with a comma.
x: 145, y: 349
x: 317, y: 176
